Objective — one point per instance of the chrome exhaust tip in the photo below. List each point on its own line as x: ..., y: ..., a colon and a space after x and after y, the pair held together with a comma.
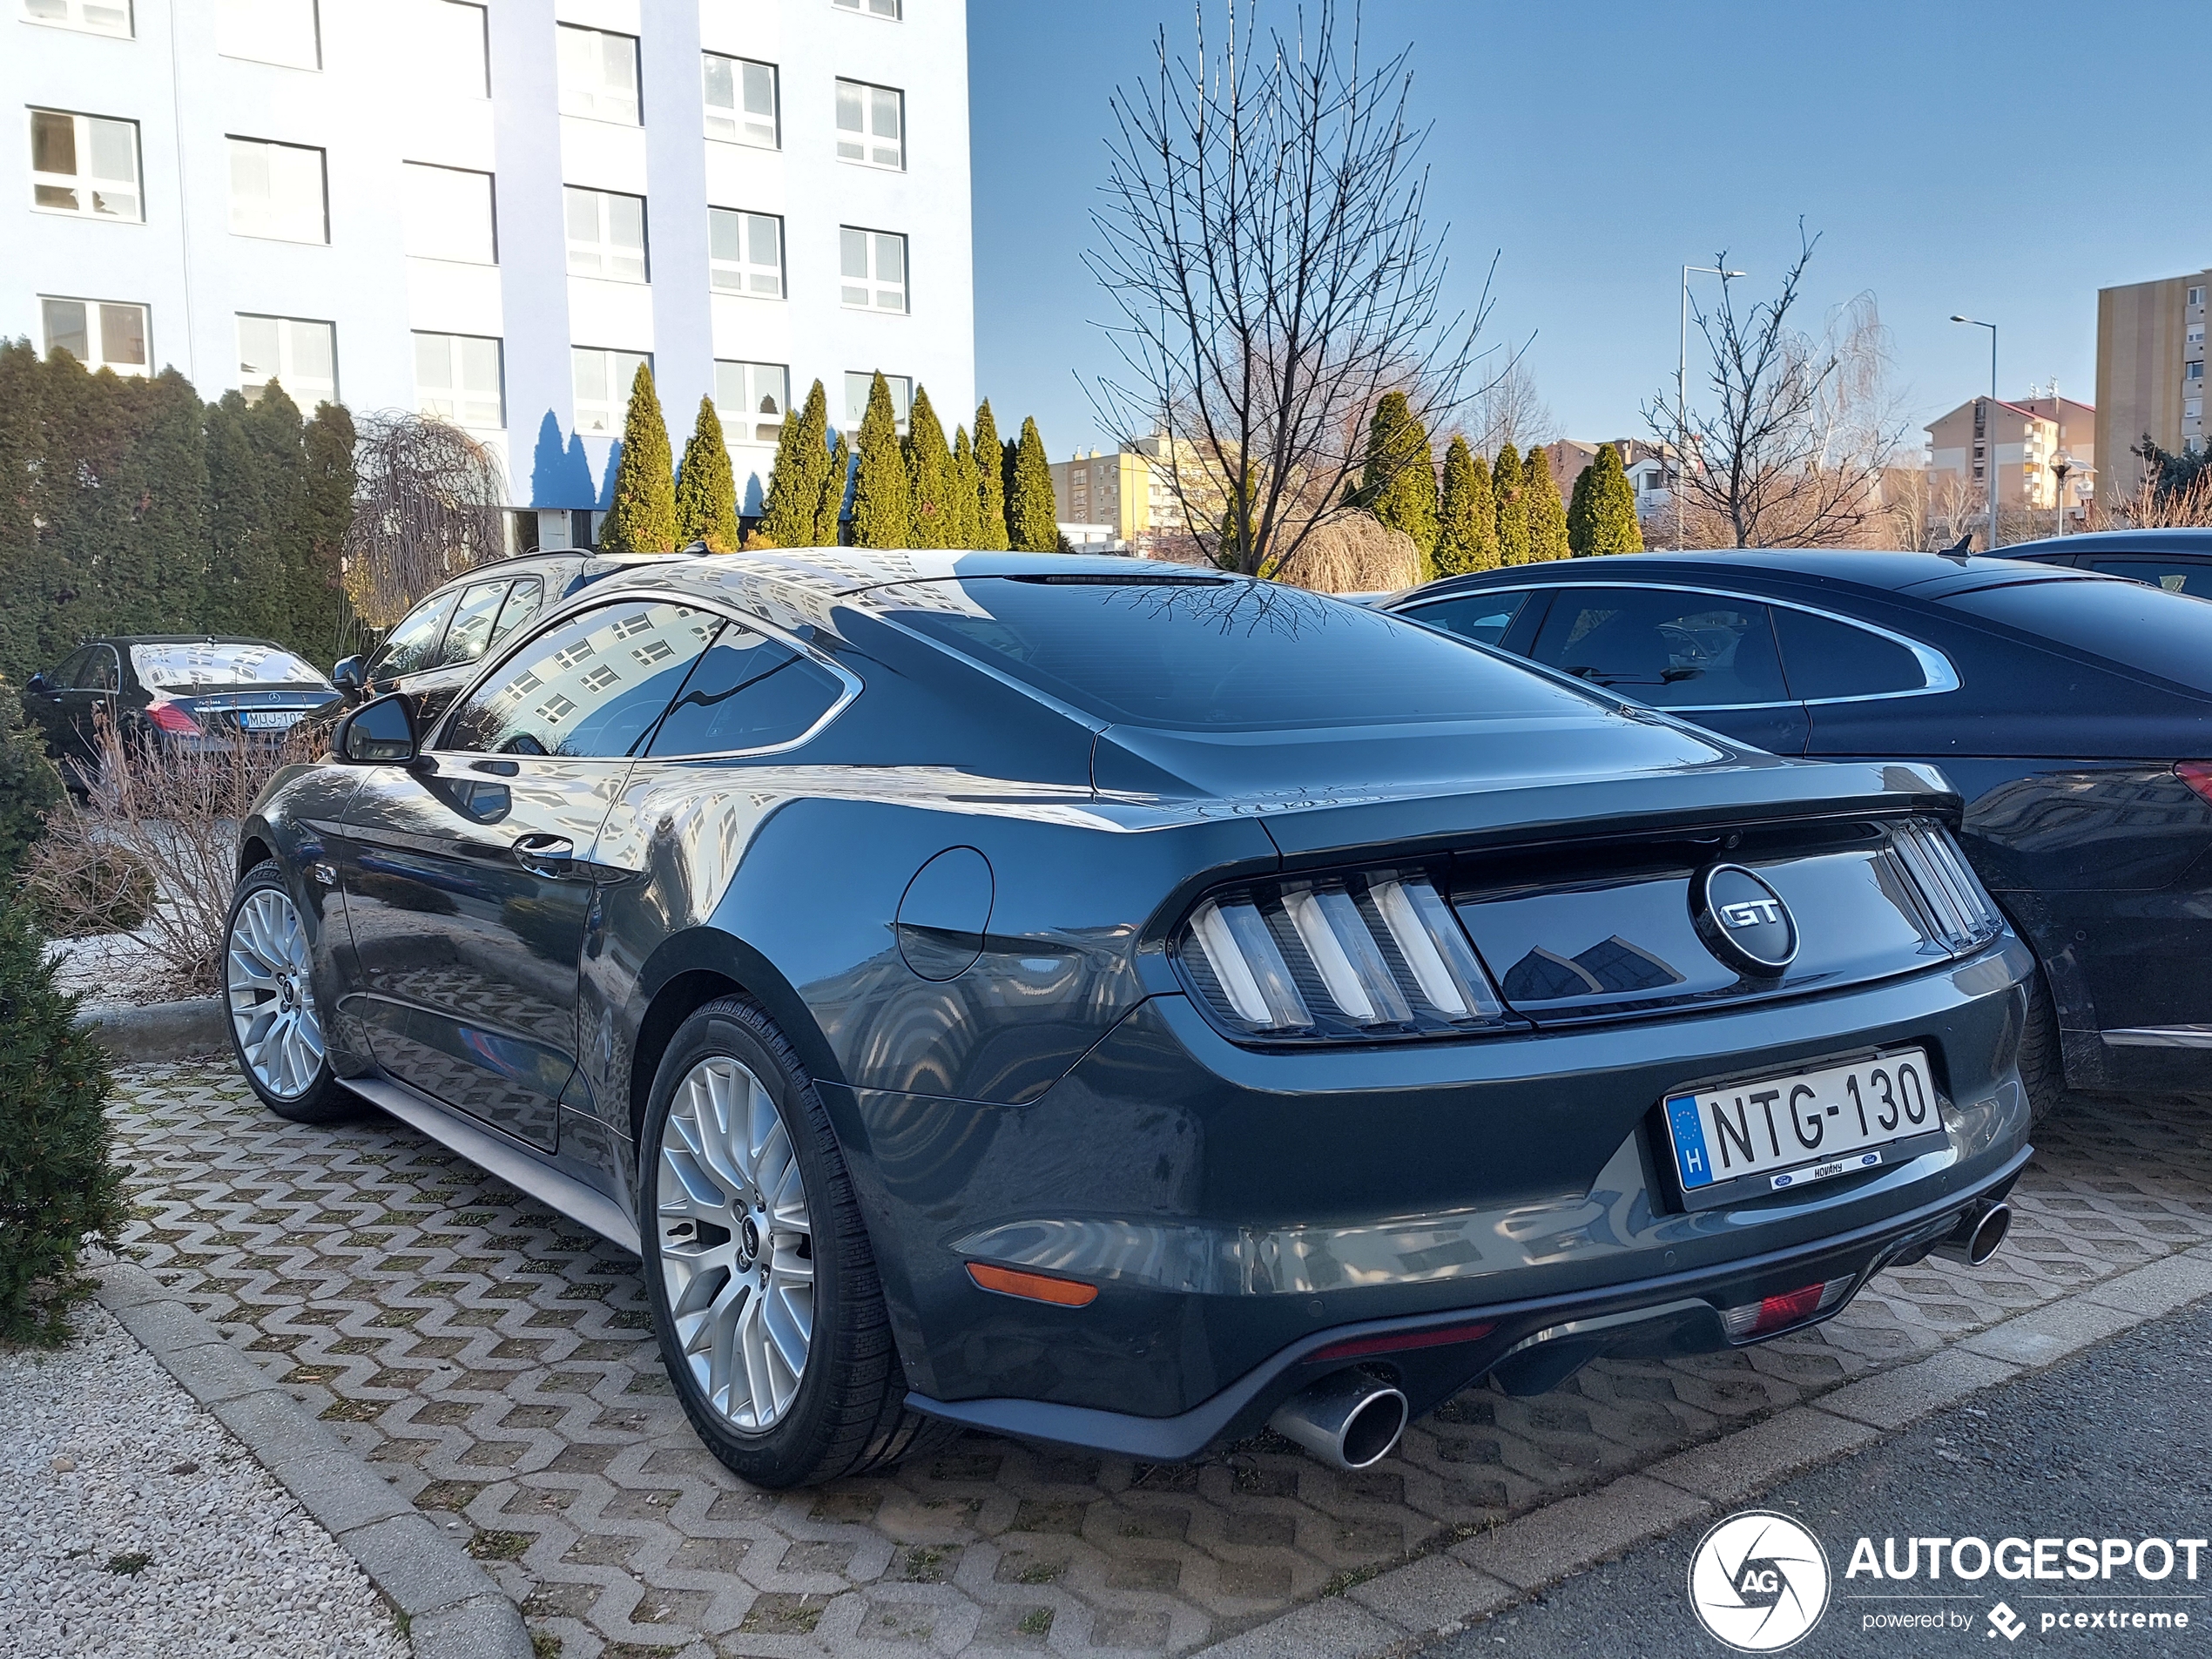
x: 1981, y: 1229
x: 1348, y: 1421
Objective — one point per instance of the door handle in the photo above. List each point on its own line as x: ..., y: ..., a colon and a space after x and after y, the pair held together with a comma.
x: 552, y: 856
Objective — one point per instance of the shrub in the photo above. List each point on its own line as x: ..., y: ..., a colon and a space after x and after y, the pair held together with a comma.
x: 79, y: 886
x: 29, y: 787
x: 58, y: 1189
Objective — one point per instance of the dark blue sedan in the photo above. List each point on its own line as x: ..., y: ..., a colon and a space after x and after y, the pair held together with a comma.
x: 2072, y: 711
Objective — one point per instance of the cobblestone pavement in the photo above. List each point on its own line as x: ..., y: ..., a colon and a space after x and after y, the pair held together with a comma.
x: 496, y: 1364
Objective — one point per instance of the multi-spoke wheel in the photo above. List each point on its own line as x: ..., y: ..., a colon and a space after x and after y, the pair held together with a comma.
x: 770, y: 1318
x: 737, y: 1247
x: 268, y: 991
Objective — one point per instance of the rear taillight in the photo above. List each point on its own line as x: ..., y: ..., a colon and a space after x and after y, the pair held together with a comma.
x: 170, y: 718
x: 2197, y: 774
x: 1958, y: 912
x: 1773, y: 1313
x: 1376, y: 954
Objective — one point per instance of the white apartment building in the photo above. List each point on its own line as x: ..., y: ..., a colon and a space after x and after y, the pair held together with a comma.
x: 493, y: 211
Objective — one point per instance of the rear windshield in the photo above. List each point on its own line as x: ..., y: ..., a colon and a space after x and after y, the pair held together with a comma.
x: 1217, y: 655
x: 201, y: 662
x: 2134, y: 624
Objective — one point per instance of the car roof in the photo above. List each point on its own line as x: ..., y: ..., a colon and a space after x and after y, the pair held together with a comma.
x: 185, y: 639
x: 2198, y: 542
x: 1923, y: 576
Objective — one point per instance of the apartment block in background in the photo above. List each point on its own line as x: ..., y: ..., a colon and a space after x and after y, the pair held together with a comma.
x: 2021, y: 442
x: 494, y: 213
x: 2150, y: 374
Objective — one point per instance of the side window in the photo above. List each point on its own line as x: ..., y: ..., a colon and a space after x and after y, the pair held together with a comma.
x: 2175, y: 576
x: 1826, y: 658
x: 101, y: 672
x: 63, y: 674
x: 469, y: 637
x: 1671, y: 649
x: 1482, y: 617
x: 591, y: 684
x: 748, y: 692
x: 414, y: 643
x: 522, y: 603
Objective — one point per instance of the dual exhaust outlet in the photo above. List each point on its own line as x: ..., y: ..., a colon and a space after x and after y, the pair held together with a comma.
x: 1349, y: 1421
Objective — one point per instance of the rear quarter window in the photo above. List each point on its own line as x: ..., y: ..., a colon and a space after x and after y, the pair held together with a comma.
x: 2129, y: 624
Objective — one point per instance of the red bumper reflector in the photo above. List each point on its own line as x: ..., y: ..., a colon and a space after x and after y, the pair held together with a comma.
x: 1036, y: 1287
x: 1399, y: 1341
x: 1755, y: 1319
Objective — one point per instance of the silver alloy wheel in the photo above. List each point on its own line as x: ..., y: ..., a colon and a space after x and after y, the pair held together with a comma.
x: 271, y: 994
x: 737, y: 1245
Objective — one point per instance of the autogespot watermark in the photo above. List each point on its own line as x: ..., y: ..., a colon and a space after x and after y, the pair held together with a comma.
x: 1760, y: 1582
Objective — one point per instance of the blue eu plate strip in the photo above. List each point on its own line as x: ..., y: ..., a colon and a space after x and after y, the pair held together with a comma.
x: 1689, y: 1141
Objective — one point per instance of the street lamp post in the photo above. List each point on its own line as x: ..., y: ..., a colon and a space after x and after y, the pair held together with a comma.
x: 1682, y: 387
x: 1989, y: 426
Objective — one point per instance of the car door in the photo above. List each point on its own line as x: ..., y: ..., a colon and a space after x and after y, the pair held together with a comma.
x: 48, y: 702
x: 92, y: 702
x: 1706, y: 656
x: 468, y: 876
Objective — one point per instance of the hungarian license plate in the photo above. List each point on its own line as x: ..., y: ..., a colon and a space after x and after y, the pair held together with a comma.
x: 1792, y: 1130
x: 269, y: 719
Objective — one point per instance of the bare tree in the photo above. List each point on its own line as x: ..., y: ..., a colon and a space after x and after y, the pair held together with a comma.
x: 1509, y: 410
x: 1794, y: 451
x: 1264, y: 243
x: 427, y: 508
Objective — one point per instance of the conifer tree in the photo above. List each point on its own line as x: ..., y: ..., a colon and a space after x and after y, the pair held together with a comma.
x: 882, y: 503
x: 990, y: 483
x: 1603, y: 519
x: 254, y: 500
x: 967, y: 506
x: 22, y: 571
x: 1547, y: 512
x: 799, y: 475
x: 1466, y: 535
x: 706, y: 490
x: 1399, y: 486
x: 642, y: 516
x: 929, y: 476
x: 1032, y: 520
x: 318, y: 609
x: 837, y: 484
x: 1509, y: 484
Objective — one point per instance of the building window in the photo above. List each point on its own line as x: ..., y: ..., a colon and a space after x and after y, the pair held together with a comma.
x: 457, y: 379
x: 284, y: 32
x: 598, y: 75
x: 741, y: 101
x: 277, y: 191
x: 751, y: 400
x: 448, y: 213
x: 85, y: 164
x: 2196, y: 296
x: 874, y: 265
x: 97, y: 333
x: 606, y: 235
x: 93, y: 16
x: 873, y: 8
x: 2192, y: 371
x: 300, y: 355
x: 871, y: 124
x: 2192, y: 408
x: 603, y: 380
x: 455, y: 51
x: 746, y: 252
x: 857, y: 385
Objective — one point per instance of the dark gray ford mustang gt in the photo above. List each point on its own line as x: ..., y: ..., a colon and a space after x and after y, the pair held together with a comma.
x: 1124, y: 1005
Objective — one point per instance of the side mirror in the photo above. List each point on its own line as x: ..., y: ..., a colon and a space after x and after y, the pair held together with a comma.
x: 349, y: 677
x: 378, y: 733
x: 38, y: 682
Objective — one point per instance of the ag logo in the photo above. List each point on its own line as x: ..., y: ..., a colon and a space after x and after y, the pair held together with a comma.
x: 1758, y: 1582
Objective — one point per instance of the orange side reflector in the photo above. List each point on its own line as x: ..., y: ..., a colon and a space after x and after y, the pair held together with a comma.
x: 1035, y: 1287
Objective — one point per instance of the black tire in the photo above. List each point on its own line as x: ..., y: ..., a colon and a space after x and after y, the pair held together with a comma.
x: 848, y: 1412
x: 323, y: 1099
x: 2042, y: 1062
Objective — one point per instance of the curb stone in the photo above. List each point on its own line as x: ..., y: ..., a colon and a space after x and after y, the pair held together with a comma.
x: 1403, y: 1610
x: 451, y: 1607
x: 159, y: 1031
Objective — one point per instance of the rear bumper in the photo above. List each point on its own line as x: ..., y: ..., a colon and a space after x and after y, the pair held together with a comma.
x: 1676, y: 1312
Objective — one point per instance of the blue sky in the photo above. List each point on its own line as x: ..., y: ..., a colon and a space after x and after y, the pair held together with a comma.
x: 1599, y: 148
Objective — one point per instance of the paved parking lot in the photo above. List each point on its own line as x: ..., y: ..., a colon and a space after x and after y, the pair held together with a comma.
x: 496, y: 1364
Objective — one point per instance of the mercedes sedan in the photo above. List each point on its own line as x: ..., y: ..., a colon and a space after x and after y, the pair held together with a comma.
x: 1125, y: 1006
